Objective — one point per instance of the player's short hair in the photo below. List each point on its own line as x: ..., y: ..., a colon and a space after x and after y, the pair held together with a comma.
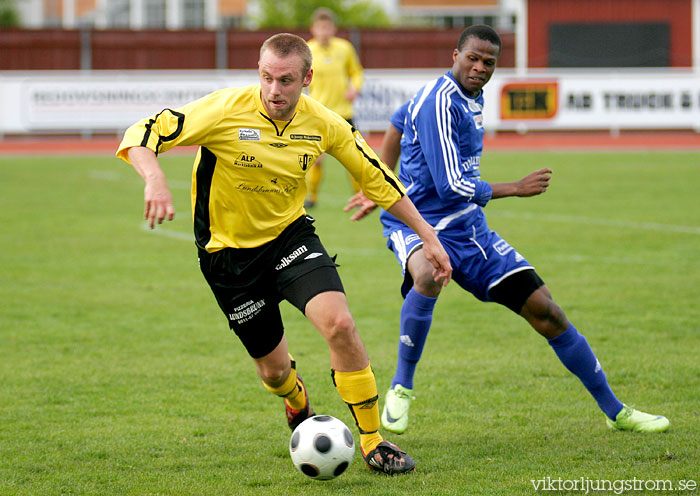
x: 481, y: 31
x: 285, y: 44
x: 323, y: 14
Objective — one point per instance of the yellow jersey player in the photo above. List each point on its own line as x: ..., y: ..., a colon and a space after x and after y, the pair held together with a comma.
x: 337, y: 82
x: 255, y: 243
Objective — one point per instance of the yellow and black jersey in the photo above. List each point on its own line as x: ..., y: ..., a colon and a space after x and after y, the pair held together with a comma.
x: 335, y: 66
x: 248, y: 179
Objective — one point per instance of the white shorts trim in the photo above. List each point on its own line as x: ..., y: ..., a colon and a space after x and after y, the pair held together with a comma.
x: 508, y: 274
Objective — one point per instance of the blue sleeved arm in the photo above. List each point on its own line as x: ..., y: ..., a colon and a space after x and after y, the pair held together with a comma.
x: 398, y: 119
x: 452, y: 150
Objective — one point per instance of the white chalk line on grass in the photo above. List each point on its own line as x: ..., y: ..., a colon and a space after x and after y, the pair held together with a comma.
x: 372, y: 252
x: 664, y: 262
x: 340, y: 200
x: 134, y: 179
x: 184, y: 185
x: 650, y: 226
x: 169, y: 233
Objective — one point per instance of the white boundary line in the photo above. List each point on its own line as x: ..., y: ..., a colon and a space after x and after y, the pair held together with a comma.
x: 649, y: 226
x: 133, y: 179
x: 168, y: 233
x: 372, y: 252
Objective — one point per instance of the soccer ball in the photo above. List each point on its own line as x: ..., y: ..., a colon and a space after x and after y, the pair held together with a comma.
x: 322, y: 447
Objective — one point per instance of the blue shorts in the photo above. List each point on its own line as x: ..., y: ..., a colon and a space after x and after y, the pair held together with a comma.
x: 480, y: 258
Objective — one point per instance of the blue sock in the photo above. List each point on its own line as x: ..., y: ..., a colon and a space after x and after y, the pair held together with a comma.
x: 575, y: 353
x: 416, y: 317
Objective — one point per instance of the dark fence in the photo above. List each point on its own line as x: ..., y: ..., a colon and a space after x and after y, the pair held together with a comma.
x: 28, y: 50
x: 143, y: 50
x: 153, y: 50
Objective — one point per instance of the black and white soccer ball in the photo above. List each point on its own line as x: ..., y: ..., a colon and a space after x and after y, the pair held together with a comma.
x: 322, y: 447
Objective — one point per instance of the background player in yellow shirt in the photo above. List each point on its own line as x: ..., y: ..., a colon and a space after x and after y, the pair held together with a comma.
x: 256, y: 245
x: 337, y: 82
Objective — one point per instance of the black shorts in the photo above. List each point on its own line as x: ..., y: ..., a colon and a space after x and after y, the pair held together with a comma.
x: 514, y: 290
x: 249, y: 283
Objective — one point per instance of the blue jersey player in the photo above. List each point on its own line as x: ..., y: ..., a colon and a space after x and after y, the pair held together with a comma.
x: 441, y: 136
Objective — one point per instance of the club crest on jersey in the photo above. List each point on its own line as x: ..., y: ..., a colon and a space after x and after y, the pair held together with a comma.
x: 305, y: 161
x: 246, y: 160
x: 248, y: 134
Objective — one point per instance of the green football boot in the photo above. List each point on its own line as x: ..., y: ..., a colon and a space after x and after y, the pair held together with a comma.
x: 630, y: 419
x: 395, y: 412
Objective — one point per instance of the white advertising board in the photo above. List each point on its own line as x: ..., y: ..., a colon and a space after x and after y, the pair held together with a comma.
x: 105, y: 101
x: 587, y: 99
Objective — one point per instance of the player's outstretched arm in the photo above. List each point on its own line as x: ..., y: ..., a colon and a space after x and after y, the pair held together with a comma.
x: 533, y: 184
x: 158, y: 201
x: 406, y: 212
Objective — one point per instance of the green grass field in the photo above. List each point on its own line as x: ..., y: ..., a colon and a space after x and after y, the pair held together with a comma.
x: 119, y: 376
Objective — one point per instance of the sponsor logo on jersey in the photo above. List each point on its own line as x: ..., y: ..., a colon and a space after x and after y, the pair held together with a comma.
x: 245, y: 160
x: 305, y: 137
x: 502, y: 247
x: 313, y: 255
x: 472, y: 163
x: 282, y: 189
x: 286, y: 260
x: 278, y: 145
x: 305, y: 161
x: 248, y: 134
x: 243, y: 313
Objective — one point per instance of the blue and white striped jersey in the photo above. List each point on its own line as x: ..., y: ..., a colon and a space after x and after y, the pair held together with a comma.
x: 440, y: 153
